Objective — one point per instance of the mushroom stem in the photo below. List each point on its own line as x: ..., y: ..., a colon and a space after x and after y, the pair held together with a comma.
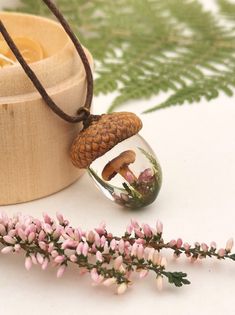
x: 127, y: 174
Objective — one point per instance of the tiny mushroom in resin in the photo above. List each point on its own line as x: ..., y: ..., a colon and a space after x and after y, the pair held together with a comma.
x: 120, y: 164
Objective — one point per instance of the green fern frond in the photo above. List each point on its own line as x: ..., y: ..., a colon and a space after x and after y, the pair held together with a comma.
x: 145, y: 47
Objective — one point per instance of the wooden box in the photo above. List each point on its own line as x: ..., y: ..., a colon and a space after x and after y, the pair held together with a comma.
x: 34, y: 142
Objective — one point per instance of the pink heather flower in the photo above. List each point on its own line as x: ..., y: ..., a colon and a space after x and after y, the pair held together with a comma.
x: 101, y: 230
x: 41, y: 236
x: 121, y: 246
x: 140, y: 252
x: 79, y: 248
x: 54, y: 253
x: 31, y: 237
x: 90, y: 236
x: 97, y: 240
x: 143, y: 273
x: 45, y: 264
x: 159, y: 282
x: 60, y: 218
x: 7, y: 250
x: 204, y: 247
x: 40, y: 258
x: 186, y: 246
x: 147, y: 230
x: 159, y: 227
x: 113, y: 244
x: 102, y: 240
x: 163, y: 262
x: 229, y: 245
x: 179, y: 243
x: 139, y: 233
x: 69, y: 244
x: 129, y: 229
x: 17, y: 248
x: 73, y: 258
x: 2, y: 230
x: 172, y: 243
x: 47, y: 227
x: 21, y: 234
x: 110, y: 281
x: 130, y: 177
x: 117, y: 262
x: 213, y: 245
x: 43, y: 245
x: 134, y: 249
x: 61, y: 271
x: 47, y: 218
x: 156, y: 258
x: 59, y: 259
x: 94, y: 274
x: 99, y: 256
x: 121, y: 288
x: 124, y: 197
x: 28, y: 263
x: 85, y: 249
x: 34, y: 259
x: 150, y: 254
x: 135, y: 224
x: 221, y: 252
x: 8, y: 239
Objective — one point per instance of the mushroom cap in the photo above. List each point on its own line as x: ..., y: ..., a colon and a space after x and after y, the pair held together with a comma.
x: 113, y: 167
x: 102, y: 135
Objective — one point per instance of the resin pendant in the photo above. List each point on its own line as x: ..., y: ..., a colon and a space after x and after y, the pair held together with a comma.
x: 129, y: 174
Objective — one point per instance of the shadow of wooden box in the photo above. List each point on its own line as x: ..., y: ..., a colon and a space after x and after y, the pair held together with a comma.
x: 35, y: 142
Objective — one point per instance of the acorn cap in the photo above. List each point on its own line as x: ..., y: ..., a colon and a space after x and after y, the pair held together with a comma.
x: 102, y: 135
x: 113, y: 167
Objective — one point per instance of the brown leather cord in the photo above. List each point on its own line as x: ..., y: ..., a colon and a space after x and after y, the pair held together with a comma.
x: 84, y: 111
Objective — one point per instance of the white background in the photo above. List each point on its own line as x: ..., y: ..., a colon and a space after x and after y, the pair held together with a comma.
x: 196, y: 147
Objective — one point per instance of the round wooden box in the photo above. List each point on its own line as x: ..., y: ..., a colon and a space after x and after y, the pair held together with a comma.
x: 34, y: 142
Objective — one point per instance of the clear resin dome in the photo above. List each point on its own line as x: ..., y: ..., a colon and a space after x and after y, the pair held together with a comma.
x: 129, y: 174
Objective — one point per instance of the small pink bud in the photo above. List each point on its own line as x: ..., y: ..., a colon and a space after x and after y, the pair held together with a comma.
x: 34, y: 259
x: 121, y: 246
x: 221, y: 252
x: 110, y: 281
x: 139, y: 233
x: 122, y: 269
x: 99, y: 256
x: 73, y: 258
x: 163, y: 262
x: 85, y: 249
x: 90, y: 236
x: 94, y: 274
x: 43, y: 245
x: 134, y: 249
x: 2, y: 230
x: 143, y: 273
x: 156, y: 258
x: 59, y: 259
x: 61, y: 271
x: 135, y: 224
x: 213, y: 245
x: 121, y: 288
x: 129, y: 229
x: 40, y: 258
x: 150, y: 255
x: 60, y: 218
x: 21, y: 234
x: 113, y: 244
x: 31, y: 237
x: 102, y: 240
x: 140, y: 252
x: 97, y: 240
x: 179, y: 243
x: 147, y: 230
x: 54, y: 253
x: 204, y: 247
x: 186, y: 246
x: 229, y: 245
x: 8, y: 239
x: 7, y: 250
x: 117, y: 262
x: 130, y: 177
x: 159, y: 281
x: 28, y: 263
x: 45, y: 264
x: 41, y: 236
x: 47, y: 218
x: 172, y: 243
x: 159, y: 227
x: 79, y: 248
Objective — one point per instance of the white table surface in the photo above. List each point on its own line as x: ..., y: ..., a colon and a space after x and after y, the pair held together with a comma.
x: 196, y: 147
